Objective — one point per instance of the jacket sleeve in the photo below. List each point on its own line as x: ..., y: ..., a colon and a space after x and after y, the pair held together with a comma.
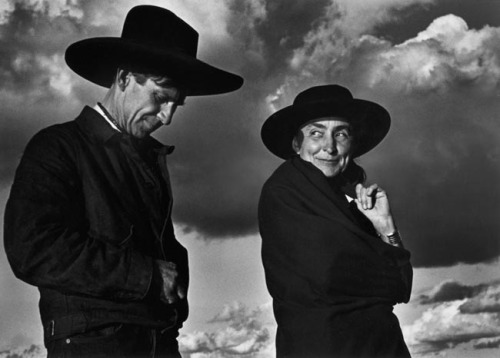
x: 308, y: 258
x: 46, y: 235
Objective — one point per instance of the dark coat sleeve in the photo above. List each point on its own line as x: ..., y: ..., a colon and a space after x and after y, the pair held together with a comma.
x: 316, y: 259
x: 46, y: 235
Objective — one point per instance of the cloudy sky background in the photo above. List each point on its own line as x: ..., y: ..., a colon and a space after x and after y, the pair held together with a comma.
x: 434, y: 64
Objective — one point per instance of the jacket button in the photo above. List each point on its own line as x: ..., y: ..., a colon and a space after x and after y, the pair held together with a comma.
x: 68, y: 341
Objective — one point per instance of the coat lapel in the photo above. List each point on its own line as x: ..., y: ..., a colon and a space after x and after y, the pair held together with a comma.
x: 319, y: 181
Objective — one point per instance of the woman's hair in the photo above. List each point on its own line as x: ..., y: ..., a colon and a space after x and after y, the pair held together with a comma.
x: 354, y: 173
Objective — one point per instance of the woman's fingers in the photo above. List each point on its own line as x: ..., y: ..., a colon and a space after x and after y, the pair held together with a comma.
x: 366, y: 195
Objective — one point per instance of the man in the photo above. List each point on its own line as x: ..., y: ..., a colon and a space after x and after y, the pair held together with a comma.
x: 88, y: 220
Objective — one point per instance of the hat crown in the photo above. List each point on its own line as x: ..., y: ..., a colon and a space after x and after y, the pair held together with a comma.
x: 326, y: 93
x: 160, y: 28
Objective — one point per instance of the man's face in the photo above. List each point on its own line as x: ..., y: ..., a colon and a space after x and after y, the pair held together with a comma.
x: 144, y: 107
x: 326, y: 143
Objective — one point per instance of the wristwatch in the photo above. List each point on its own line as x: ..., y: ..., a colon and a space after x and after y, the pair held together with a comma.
x: 395, y: 239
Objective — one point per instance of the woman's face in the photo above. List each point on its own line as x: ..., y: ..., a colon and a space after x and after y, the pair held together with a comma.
x: 326, y: 143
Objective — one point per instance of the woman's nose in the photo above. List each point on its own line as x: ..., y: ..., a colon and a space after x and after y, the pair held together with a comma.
x: 330, y: 145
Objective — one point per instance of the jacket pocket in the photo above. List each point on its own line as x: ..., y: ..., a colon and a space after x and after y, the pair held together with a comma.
x: 107, y: 332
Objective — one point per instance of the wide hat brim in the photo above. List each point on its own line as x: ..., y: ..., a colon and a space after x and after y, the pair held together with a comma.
x: 371, y: 120
x: 97, y: 59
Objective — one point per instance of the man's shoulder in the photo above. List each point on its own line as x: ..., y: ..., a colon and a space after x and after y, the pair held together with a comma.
x: 59, y: 136
x: 60, y: 131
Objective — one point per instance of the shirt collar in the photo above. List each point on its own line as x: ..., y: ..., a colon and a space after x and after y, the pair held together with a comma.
x: 111, y: 121
x: 91, y: 122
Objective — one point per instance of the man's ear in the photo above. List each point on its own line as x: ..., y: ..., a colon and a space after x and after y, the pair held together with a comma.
x: 122, y: 78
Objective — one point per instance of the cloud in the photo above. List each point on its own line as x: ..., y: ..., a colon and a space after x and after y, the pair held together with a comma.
x: 33, y: 65
x: 486, y: 343
x: 244, y: 333
x: 450, y: 291
x: 458, y: 314
x: 446, y: 54
x: 486, y: 301
x: 441, y: 88
x: 33, y: 351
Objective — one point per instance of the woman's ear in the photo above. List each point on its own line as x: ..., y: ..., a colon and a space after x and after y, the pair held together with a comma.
x: 295, y: 145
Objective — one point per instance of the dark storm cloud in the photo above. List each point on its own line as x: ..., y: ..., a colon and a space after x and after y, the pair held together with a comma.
x: 219, y: 165
x: 451, y: 291
x: 488, y: 343
x: 29, y: 36
x: 440, y: 160
x: 35, y: 84
x: 33, y: 351
x: 439, y: 163
x: 216, y: 169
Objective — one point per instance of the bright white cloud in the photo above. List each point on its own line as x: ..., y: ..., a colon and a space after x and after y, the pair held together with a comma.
x: 341, y: 49
x: 344, y: 22
x: 444, y: 54
x: 339, y: 43
x: 243, y: 332
x: 446, y: 323
x: 453, y: 321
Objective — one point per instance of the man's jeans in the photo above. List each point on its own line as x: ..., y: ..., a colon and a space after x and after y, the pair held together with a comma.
x: 118, y: 340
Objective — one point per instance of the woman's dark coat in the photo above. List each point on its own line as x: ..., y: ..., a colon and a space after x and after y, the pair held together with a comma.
x: 333, y: 281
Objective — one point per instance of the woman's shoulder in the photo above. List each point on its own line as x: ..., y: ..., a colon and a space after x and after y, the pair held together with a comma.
x: 284, y: 175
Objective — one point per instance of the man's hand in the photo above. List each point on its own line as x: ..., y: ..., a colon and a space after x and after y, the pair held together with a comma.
x: 173, y: 287
x: 373, y: 202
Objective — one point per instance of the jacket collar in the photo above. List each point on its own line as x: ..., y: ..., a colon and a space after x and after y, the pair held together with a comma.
x: 318, y: 180
x: 98, y: 129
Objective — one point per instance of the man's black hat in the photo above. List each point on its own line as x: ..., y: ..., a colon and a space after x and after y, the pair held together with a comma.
x: 156, y: 40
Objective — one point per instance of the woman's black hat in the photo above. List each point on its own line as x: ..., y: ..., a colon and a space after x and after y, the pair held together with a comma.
x: 370, y: 121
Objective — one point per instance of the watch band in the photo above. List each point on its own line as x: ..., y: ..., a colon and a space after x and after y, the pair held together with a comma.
x: 395, y: 239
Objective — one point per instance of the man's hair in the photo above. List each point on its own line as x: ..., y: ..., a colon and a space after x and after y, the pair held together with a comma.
x: 141, y: 75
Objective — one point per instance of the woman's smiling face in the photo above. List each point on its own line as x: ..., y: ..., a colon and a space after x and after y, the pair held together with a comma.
x: 326, y: 143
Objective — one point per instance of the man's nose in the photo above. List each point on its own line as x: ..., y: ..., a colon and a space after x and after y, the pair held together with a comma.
x: 166, y: 112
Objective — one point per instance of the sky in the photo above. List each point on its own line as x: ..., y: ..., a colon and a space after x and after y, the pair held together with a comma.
x: 435, y: 66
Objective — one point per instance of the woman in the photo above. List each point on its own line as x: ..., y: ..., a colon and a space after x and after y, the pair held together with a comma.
x: 334, y: 262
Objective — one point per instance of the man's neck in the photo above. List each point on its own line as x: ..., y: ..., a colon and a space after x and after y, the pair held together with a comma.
x: 107, y: 105
x: 99, y: 107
